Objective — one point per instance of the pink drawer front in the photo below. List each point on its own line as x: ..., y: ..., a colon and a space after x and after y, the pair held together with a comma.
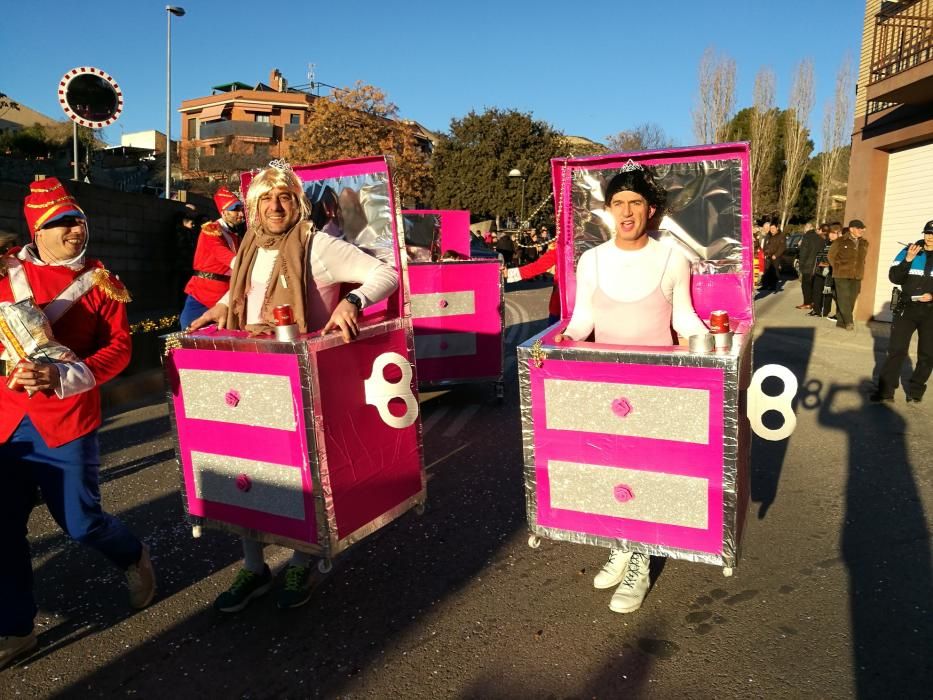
x: 242, y: 440
x: 630, y: 452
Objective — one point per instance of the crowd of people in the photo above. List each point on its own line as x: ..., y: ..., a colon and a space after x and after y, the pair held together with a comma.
x: 630, y: 290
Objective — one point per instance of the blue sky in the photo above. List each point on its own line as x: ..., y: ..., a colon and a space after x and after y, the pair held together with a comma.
x: 586, y: 74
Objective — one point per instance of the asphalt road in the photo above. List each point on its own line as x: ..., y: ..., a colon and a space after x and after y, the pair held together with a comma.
x: 831, y: 598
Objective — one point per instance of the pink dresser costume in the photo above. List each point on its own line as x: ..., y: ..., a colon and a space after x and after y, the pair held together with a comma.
x: 457, y: 309
x: 658, y: 462
x: 268, y: 431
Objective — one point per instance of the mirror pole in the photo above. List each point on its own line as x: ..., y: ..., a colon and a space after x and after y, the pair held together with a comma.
x: 74, y: 138
x: 168, y: 106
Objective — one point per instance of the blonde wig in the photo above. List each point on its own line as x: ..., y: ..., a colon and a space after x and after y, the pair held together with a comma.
x: 269, y: 179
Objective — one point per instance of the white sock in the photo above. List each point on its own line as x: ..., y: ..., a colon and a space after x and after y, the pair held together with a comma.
x: 252, y: 555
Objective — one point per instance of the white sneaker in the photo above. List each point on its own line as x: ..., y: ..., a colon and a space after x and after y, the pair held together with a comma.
x: 634, y: 587
x: 613, y: 570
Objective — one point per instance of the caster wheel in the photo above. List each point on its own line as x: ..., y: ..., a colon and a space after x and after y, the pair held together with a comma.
x: 534, y: 541
x: 420, y: 508
x: 727, y: 571
x: 325, y: 565
x: 196, y: 531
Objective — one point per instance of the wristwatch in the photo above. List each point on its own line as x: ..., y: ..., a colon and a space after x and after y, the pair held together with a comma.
x: 355, y: 300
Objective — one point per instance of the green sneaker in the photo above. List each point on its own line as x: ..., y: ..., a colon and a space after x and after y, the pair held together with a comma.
x: 296, y: 591
x: 246, y: 586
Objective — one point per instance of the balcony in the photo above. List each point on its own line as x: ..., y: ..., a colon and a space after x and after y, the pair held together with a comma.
x: 221, y: 129
x: 902, y: 53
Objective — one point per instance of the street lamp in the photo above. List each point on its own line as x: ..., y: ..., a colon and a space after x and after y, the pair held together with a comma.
x: 178, y: 12
x: 515, y: 172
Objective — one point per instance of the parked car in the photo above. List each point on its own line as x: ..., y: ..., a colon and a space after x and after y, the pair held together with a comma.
x: 788, y: 262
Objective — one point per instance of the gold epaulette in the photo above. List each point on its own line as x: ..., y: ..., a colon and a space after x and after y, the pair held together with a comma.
x: 211, y: 228
x: 110, y: 285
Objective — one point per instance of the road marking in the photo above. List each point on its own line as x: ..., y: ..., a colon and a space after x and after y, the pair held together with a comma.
x: 447, y: 456
x: 462, y: 419
x: 433, y: 419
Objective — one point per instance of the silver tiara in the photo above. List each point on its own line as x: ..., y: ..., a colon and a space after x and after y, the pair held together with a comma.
x: 631, y: 165
x: 280, y: 164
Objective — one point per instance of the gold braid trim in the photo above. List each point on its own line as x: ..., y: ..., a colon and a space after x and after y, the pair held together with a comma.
x: 113, y: 290
x: 10, y: 340
x: 211, y: 229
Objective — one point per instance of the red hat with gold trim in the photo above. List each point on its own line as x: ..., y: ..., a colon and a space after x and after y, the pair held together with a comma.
x: 48, y: 201
x: 225, y: 199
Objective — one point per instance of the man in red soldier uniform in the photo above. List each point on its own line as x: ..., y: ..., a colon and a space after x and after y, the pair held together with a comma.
x: 50, y: 410
x: 545, y: 263
x: 217, y: 244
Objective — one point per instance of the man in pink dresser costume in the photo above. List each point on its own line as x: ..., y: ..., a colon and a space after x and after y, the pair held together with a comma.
x: 630, y: 291
x: 284, y: 259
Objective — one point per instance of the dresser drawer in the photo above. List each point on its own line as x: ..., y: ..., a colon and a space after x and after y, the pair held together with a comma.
x: 633, y: 494
x: 628, y: 409
x: 441, y: 304
x: 273, y: 489
x: 241, y: 398
x: 445, y: 345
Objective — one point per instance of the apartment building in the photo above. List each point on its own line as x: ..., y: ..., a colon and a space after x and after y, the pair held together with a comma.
x: 891, y: 168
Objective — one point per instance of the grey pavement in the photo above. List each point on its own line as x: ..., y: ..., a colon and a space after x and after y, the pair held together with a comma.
x: 831, y: 597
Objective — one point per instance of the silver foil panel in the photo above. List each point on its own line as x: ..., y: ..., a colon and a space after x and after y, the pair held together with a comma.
x: 634, y: 410
x: 440, y: 304
x: 241, y: 398
x: 261, y: 486
x: 432, y: 345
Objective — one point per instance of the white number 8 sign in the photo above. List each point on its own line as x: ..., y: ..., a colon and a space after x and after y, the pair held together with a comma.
x: 379, y: 392
x: 760, y: 403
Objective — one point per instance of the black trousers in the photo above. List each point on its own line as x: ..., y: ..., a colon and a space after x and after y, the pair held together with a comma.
x: 916, y: 317
x: 846, y: 293
x: 806, y: 284
x: 822, y: 303
x: 769, y: 280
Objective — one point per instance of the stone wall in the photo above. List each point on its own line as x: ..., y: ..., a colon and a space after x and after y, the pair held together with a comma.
x: 133, y: 234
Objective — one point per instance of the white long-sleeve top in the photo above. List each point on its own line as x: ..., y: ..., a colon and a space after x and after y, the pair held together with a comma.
x: 630, y: 275
x: 332, y: 262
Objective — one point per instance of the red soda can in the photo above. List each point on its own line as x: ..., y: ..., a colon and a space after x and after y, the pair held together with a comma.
x: 283, y: 315
x: 719, y: 322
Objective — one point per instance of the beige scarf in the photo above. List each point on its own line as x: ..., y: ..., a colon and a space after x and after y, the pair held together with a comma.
x: 287, y: 283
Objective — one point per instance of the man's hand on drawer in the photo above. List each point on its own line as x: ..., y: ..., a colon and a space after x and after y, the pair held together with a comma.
x: 216, y: 314
x: 344, y: 320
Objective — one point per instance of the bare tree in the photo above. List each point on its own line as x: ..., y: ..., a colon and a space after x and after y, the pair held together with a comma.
x: 716, y: 97
x: 764, y: 131
x: 796, y: 137
x: 642, y: 138
x: 837, y: 118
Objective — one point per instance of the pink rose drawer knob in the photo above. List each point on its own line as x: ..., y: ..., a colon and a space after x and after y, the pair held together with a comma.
x: 243, y: 483
x: 232, y: 398
x: 443, y: 304
x: 621, y: 407
x: 623, y: 493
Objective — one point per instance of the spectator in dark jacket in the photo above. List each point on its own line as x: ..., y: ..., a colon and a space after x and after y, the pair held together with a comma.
x: 823, y: 291
x: 847, y: 256
x: 505, y: 247
x: 810, y: 246
x: 773, y: 246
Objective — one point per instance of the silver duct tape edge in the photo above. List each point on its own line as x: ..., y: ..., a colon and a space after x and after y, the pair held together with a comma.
x: 419, y: 499
x: 636, y: 546
x: 265, y: 537
x: 218, y: 341
x: 325, y: 515
x: 170, y: 374
x: 735, y: 466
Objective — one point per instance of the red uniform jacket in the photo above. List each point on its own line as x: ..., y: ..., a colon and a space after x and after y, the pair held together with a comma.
x: 540, y: 266
x: 95, y: 329
x: 215, y: 251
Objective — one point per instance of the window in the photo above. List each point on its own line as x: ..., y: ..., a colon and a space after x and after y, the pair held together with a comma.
x: 192, y: 128
x: 294, y: 119
x: 262, y: 118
